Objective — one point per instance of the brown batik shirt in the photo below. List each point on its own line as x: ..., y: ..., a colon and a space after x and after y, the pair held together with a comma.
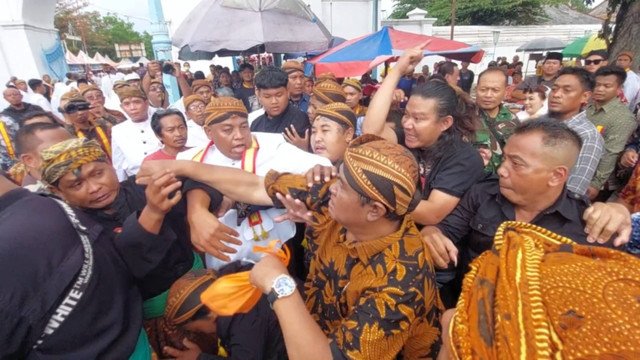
x: 374, y: 299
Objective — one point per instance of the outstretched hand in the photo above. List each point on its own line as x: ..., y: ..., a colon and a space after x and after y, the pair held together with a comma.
x: 411, y: 58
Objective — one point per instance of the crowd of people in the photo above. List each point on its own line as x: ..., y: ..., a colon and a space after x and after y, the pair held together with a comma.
x: 418, y: 221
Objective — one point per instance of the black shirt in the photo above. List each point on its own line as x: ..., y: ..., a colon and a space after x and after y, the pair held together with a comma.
x: 458, y: 169
x: 248, y: 97
x: 290, y: 116
x: 474, y: 222
x: 466, y: 80
x: 20, y: 115
x: 39, y: 259
x: 179, y: 259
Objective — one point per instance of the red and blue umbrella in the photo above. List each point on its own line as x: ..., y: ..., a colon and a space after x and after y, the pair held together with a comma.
x: 356, y: 57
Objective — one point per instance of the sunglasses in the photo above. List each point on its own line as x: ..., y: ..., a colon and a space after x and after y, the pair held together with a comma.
x: 73, y: 108
x: 594, y: 62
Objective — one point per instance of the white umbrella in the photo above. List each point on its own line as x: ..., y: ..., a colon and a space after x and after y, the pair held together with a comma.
x: 280, y: 25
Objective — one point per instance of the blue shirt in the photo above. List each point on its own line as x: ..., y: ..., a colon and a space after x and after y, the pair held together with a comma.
x: 302, y: 103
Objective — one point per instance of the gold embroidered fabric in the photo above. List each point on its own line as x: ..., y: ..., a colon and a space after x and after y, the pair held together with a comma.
x: 538, y: 295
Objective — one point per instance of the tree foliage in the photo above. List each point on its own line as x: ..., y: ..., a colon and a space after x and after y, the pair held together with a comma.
x: 100, y: 32
x: 485, y: 12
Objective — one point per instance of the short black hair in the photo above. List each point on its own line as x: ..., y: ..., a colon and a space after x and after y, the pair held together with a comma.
x: 199, y: 75
x: 245, y: 66
x: 620, y: 73
x: 34, y: 114
x: 83, y: 81
x: 583, y: 76
x: 156, y: 125
x: 34, y: 83
x: 496, y: 70
x: 447, y: 68
x: 554, y: 132
x: 24, y: 138
x: 271, y: 78
x: 602, y: 53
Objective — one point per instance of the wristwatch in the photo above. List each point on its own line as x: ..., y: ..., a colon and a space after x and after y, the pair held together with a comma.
x: 283, y: 286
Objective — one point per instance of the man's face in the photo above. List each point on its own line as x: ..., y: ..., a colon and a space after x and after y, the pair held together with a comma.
x: 13, y: 96
x: 46, y: 78
x: 329, y: 139
x: 516, y: 58
x: 490, y: 91
x: 79, y: 117
x: 308, y: 86
x: 624, y: 61
x: 551, y: 68
x: 247, y: 75
x: 174, y: 132
x: 136, y: 108
x: 94, y: 97
x: 517, y: 78
x: 295, y: 86
x: 567, y: 95
x: 452, y: 79
x: 274, y: 101
x: 526, y: 169
x: 425, y: 70
x: 465, y: 65
x: 344, y: 205
x: 22, y: 86
x: 421, y: 124
x: 156, y: 94
x: 195, y: 112
x: 46, y: 139
x: 353, y: 96
x: 593, y: 63
x: 225, y: 79
x: 93, y: 186
x: 205, y: 93
x: 606, y: 88
x: 232, y: 136
x: 212, y: 69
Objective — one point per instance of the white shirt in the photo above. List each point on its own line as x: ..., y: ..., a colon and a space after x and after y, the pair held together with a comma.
x: 631, y: 89
x: 40, y: 100
x: 130, y: 143
x: 274, y: 153
x: 196, y: 137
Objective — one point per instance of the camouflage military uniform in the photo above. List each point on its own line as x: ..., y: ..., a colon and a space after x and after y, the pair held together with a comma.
x: 493, y: 134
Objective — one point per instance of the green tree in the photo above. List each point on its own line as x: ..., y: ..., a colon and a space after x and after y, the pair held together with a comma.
x: 402, y: 7
x: 100, y: 32
x: 488, y: 12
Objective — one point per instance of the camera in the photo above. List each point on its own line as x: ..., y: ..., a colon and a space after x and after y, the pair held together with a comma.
x: 167, y: 67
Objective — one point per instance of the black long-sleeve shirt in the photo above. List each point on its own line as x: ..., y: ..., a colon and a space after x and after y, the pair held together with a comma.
x: 179, y: 259
x: 39, y: 259
x: 474, y: 222
x: 290, y: 116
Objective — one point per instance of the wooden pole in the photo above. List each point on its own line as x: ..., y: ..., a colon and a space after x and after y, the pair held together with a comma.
x: 453, y: 17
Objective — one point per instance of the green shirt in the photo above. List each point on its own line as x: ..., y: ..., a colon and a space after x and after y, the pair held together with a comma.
x: 503, y: 125
x: 615, y: 123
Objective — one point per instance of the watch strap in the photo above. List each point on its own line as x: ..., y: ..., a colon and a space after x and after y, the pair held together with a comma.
x: 272, y: 297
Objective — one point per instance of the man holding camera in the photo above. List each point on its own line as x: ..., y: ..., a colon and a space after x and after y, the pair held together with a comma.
x: 77, y: 112
x: 155, y: 71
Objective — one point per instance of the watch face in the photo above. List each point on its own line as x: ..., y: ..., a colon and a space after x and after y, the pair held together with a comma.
x: 284, y: 286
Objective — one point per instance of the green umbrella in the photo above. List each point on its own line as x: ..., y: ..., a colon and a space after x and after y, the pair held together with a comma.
x: 584, y: 45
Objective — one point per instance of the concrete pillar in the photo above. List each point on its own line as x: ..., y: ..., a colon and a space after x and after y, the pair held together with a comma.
x: 161, y: 42
x: 26, y: 33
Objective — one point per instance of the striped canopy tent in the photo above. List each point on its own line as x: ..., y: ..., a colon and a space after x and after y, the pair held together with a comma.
x: 85, y: 59
x: 109, y: 61
x: 357, y: 56
x: 70, y: 58
x: 97, y: 57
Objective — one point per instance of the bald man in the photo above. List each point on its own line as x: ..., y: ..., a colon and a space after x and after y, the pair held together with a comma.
x: 17, y: 109
x: 531, y: 188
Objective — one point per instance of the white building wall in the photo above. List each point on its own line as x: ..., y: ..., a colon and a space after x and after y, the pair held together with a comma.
x: 347, y: 18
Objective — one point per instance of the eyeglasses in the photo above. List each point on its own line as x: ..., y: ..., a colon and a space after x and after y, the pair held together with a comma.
x: 196, y: 107
x: 156, y: 89
x: 73, y: 108
x: 594, y: 62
